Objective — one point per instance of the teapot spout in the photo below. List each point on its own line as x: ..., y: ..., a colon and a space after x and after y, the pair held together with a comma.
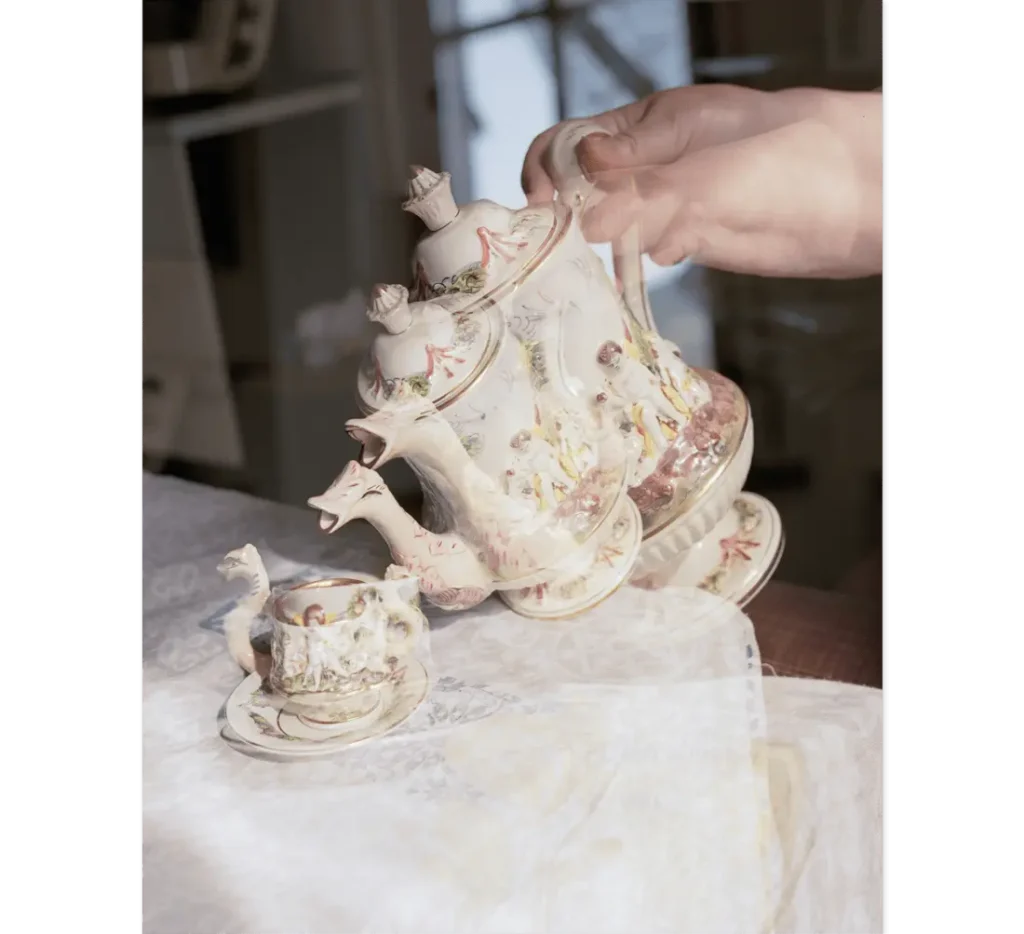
x: 347, y: 497
x: 376, y: 438
x: 406, y: 428
x: 450, y: 573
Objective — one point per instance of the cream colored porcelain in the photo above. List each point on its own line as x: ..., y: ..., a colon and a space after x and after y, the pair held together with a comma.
x: 262, y: 722
x: 734, y: 560
x: 456, y: 574
x: 531, y: 396
x: 334, y: 642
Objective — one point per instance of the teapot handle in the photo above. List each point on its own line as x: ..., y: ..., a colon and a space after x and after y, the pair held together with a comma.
x: 572, y: 185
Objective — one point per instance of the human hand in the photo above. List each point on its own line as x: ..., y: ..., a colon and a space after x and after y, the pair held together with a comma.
x: 779, y: 184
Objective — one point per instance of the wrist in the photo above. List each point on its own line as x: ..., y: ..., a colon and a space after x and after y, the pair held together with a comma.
x: 858, y: 119
x: 854, y: 121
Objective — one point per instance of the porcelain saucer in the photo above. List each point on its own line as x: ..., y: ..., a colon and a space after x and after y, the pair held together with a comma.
x: 294, y: 724
x: 258, y: 718
x: 735, y: 560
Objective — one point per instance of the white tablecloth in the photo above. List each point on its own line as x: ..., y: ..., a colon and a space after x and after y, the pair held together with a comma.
x: 626, y: 771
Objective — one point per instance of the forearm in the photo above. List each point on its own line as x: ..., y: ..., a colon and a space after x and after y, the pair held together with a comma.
x: 855, y: 118
x: 845, y: 129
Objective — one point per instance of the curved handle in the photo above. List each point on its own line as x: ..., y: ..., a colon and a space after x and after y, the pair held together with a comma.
x: 573, y: 185
x: 246, y: 562
x: 566, y: 171
x: 404, y: 603
x: 415, y: 623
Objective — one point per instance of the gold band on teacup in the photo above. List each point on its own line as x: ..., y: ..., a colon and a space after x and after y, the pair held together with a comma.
x: 321, y: 584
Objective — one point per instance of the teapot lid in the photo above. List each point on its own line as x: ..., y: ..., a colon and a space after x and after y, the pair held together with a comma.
x: 430, y: 351
x: 480, y: 249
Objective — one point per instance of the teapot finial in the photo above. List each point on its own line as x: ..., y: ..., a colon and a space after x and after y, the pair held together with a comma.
x: 390, y: 307
x: 430, y: 197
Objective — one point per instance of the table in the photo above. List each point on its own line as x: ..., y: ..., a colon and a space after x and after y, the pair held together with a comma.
x: 810, y: 633
x: 235, y: 844
x: 191, y: 403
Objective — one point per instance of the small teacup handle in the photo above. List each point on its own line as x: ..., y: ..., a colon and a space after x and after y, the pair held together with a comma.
x: 572, y: 185
x: 239, y: 620
x: 413, y: 620
x: 406, y: 589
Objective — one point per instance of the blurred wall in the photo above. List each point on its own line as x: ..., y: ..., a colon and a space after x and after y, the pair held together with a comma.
x: 316, y: 210
x: 807, y: 353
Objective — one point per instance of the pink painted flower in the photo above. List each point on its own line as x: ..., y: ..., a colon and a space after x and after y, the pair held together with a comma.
x: 700, y: 431
x: 459, y: 598
x: 538, y: 592
x: 724, y: 408
x: 736, y: 547
x: 446, y: 546
x: 653, y: 494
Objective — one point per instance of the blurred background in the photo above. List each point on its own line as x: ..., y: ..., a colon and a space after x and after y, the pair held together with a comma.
x: 277, y: 136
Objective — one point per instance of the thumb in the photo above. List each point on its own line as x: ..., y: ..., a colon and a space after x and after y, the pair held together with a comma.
x: 645, y: 144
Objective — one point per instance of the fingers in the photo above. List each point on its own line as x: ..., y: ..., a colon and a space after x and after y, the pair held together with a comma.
x: 611, y: 216
x: 644, y: 145
x: 595, y: 155
x: 677, y: 245
x: 654, y: 200
x: 668, y: 232
x: 663, y: 233
x: 536, y: 182
x: 536, y: 174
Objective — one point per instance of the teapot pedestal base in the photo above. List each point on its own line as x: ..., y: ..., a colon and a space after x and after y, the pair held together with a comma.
x: 571, y: 593
x: 734, y: 560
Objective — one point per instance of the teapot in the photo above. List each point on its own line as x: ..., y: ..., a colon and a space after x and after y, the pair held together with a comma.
x: 548, y: 422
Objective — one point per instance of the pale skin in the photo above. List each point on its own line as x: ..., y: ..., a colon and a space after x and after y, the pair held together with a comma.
x: 784, y: 183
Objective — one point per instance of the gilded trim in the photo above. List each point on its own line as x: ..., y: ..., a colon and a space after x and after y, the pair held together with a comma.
x: 321, y: 584
x: 554, y: 238
x: 326, y: 582
x: 695, y: 494
x: 768, y: 574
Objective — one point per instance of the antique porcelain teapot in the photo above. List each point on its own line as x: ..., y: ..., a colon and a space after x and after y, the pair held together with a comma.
x: 562, y: 445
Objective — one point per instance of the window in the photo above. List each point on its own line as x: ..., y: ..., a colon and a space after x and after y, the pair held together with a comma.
x: 508, y: 69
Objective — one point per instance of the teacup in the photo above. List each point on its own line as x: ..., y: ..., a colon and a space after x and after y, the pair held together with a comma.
x: 335, y: 642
